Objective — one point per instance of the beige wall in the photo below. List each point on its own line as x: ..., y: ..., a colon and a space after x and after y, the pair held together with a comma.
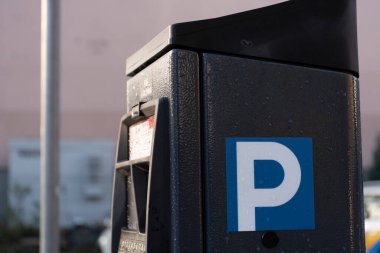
x: 98, y: 35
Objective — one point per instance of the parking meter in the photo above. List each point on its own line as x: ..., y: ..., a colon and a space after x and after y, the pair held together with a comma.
x: 242, y: 134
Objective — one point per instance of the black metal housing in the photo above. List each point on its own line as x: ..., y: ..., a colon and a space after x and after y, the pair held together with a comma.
x: 317, y: 33
x: 288, y: 70
x: 143, y: 210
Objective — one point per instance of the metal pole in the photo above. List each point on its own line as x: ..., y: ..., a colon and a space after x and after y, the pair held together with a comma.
x: 49, y: 180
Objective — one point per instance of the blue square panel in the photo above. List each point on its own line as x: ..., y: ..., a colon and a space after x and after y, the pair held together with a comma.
x: 269, y: 184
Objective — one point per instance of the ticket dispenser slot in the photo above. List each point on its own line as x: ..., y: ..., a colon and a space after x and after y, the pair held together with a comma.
x: 140, y: 216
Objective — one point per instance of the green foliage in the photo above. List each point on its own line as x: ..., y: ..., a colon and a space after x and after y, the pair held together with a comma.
x: 374, y: 171
x: 20, y: 193
x: 13, y: 235
x: 14, y: 229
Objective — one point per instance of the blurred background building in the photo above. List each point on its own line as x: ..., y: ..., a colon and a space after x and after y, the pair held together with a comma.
x: 85, y: 181
x: 96, y: 38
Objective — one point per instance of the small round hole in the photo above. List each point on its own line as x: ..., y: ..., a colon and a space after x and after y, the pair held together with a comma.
x: 270, y: 239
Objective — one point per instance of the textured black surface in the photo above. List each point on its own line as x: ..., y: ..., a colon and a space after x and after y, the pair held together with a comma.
x: 319, y: 33
x: 176, y: 77
x: 240, y: 97
x: 146, y: 183
x: 250, y: 98
x: 119, y: 203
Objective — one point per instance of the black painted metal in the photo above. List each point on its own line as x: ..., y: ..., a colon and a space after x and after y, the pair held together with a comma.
x: 289, y: 70
x: 145, y: 222
x: 175, y: 76
x: 319, y: 33
x: 279, y: 100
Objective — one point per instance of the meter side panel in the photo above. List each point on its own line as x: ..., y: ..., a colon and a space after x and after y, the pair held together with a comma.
x: 245, y: 98
x: 175, y: 76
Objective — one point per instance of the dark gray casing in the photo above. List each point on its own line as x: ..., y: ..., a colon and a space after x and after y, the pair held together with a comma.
x: 212, y: 97
x: 174, y: 76
x: 251, y: 98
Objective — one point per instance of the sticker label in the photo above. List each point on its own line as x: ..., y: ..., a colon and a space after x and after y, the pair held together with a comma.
x: 132, y: 242
x: 140, y: 138
x: 269, y: 184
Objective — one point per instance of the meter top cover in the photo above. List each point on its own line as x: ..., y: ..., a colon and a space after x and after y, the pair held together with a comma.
x: 318, y: 33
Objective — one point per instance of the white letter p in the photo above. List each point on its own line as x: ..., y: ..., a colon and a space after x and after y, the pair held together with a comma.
x: 248, y: 196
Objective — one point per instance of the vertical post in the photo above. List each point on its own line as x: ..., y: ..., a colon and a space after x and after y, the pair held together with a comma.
x: 49, y: 130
